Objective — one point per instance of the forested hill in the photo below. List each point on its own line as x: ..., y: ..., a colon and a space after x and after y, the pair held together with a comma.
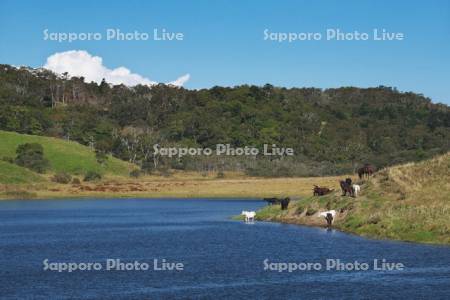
x: 331, y: 131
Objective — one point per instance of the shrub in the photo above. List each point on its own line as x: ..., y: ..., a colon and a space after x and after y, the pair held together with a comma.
x: 164, y: 171
x: 31, y: 156
x: 220, y: 174
x: 147, y: 167
x: 101, y: 157
x: 8, y: 159
x: 76, y: 181
x: 101, y: 151
x: 135, y: 173
x: 310, y: 211
x: 62, y: 177
x: 20, y: 194
x: 300, y: 209
x: 92, y: 176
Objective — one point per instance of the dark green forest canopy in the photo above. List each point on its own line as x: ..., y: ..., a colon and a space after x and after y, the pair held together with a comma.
x: 331, y: 131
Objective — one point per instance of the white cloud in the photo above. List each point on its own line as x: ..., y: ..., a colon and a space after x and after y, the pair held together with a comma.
x: 81, y: 63
x: 181, y: 80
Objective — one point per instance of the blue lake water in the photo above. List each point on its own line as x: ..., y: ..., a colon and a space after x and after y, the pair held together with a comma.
x: 222, y: 258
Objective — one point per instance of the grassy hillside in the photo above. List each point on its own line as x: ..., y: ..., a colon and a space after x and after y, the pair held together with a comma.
x: 13, y: 174
x: 409, y: 202
x: 63, y: 155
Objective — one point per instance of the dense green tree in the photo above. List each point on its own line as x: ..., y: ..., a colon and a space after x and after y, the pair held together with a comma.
x: 31, y: 156
x: 331, y: 130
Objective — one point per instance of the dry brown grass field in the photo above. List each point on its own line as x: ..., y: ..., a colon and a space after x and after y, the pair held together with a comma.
x: 178, y: 185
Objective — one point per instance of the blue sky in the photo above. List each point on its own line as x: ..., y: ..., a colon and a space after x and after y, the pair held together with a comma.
x: 223, y: 41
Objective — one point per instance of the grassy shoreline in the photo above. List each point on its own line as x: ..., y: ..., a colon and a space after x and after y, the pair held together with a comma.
x: 302, y: 222
x: 409, y: 202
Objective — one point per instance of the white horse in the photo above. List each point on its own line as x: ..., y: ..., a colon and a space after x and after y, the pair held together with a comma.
x: 356, y: 189
x: 326, y: 215
x: 249, y: 215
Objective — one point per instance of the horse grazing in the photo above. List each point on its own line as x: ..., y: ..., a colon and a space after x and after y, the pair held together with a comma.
x: 366, y: 171
x: 249, y: 216
x: 285, y: 203
x: 329, y: 216
x: 346, y: 187
x: 321, y: 191
x: 356, y: 189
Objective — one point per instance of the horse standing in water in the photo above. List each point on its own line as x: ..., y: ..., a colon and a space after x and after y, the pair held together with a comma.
x: 366, y: 171
x: 329, y: 216
x: 249, y: 216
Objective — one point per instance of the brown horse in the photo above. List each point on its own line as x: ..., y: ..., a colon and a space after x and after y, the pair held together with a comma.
x: 366, y: 171
x: 321, y: 191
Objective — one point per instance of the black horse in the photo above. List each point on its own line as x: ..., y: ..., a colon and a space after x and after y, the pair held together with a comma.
x: 346, y: 187
x: 329, y: 219
x: 285, y: 203
x: 272, y: 201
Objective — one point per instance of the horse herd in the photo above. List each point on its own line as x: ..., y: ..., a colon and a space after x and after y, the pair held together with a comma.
x: 366, y: 171
x: 347, y: 186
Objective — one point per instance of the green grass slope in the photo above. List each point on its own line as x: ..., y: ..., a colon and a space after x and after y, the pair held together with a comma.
x: 63, y: 155
x: 409, y: 202
x: 13, y: 174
